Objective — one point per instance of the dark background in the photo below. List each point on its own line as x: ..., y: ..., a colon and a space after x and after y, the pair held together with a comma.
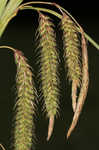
x: 20, y: 33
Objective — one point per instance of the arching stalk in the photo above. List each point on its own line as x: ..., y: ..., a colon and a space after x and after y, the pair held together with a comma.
x: 24, y: 7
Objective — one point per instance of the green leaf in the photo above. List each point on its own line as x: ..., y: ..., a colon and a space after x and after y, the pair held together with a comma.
x: 2, y: 6
x: 9, y: 12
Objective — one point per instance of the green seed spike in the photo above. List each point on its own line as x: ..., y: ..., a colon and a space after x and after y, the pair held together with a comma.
x: 49, y: 65
x: 71, y: 55
x: 84, y: 85
x: 25, y: 110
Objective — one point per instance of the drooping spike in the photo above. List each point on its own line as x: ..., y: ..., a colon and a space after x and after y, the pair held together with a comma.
x: 71, y: 55
x: 25, y: 107
x: 84, y: 86
x: 48, y: 71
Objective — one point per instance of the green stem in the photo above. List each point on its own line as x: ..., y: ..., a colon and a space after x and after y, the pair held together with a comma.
x: 26, y: 6
x: 8, y: 47
x: 60, y: 16
x: 37, y: 2
x: 91, y: 41
x: 42, y: 9
x: 54, y: 4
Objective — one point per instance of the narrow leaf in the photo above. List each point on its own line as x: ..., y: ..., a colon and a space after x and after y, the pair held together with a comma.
x: 9, y: 12
x: 2, y: 6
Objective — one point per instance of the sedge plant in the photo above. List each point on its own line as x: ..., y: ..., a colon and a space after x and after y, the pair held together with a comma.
x: 75, y: 60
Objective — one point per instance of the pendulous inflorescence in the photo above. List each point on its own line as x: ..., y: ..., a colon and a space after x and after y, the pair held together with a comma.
x: 77, y: 70
x: 84, y: 85
x: 75, y: 61
x: 49, y: 68
x: 71, y: 55
x: 25, y: 107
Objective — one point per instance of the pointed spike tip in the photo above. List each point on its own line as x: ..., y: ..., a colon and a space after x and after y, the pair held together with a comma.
x: 50, y: 127
x: 68, y: 133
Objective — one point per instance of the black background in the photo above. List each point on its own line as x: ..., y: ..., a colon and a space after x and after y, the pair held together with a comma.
x: 20, y: 33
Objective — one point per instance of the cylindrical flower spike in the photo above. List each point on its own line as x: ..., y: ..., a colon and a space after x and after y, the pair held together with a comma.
x: 71, y: 55
x: 49, y: 65
x: 24, y: 125
x: 84, y: 86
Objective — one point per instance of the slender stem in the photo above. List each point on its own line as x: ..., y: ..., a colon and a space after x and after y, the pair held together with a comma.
x: 42, y: 9
x: 26, y: 6
x: 60, y: 16
x: 91, y: 41
x: 8, y: 47
x: 37, y: 2
x: 58, y: 6
x: 2, y: 147
x: 54, y: 4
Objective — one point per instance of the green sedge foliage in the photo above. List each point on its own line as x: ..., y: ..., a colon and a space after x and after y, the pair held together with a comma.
x: 7, y: 11
x: 2, y: 6
x: 24, y: 123
x: 49, y: 65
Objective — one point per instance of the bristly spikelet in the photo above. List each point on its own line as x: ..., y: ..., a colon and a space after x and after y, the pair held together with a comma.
x: 84, y: 85
x: 71, y: 55
x: 49, y: 64
x: 24, y: 125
